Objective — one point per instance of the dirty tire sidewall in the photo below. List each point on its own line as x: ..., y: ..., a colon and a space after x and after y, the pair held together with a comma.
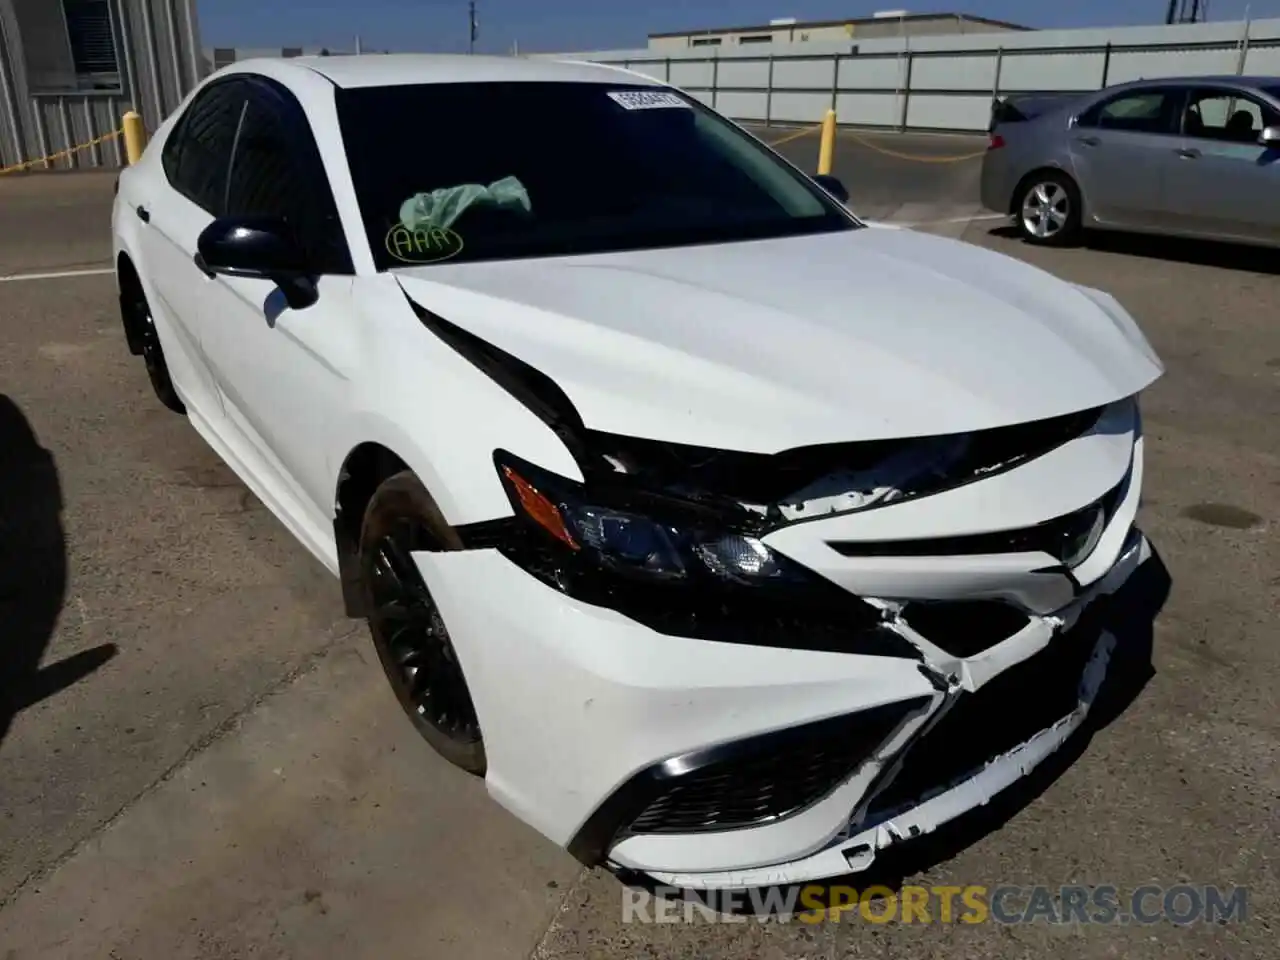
x: 404, y: 496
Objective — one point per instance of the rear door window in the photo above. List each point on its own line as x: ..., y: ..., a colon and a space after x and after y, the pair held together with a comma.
x: 1141, y: 111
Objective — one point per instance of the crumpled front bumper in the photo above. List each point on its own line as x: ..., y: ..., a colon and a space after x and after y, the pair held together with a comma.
x: 855, y: 847
x: 584, y: 709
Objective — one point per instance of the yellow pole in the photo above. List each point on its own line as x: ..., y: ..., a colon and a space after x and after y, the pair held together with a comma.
x: 135, y: 136
x: 826, y: 152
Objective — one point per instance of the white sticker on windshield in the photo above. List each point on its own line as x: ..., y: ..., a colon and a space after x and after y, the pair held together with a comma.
x: 647, y: 99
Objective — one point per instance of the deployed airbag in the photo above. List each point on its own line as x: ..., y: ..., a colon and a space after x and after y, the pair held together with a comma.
x: 442, y: 207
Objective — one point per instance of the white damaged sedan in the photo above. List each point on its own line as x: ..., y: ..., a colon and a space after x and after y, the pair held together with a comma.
x: 729, y: 539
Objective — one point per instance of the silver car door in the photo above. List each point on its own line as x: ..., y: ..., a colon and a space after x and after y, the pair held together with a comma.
x: 1122, y: 150
x: 1227, y: 183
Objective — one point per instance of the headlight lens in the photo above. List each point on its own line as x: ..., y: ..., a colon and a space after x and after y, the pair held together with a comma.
x: 635, y: 545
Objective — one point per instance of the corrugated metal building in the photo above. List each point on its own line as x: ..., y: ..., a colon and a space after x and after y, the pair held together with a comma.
x: 892, y: 24
x: 215, y: 58
x: 69, y: 69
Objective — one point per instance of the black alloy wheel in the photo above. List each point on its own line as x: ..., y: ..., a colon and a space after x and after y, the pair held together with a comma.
x: 409, y: 633
x: 153, y: 356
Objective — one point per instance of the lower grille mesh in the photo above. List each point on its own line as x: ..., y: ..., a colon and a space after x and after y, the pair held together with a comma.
x: 765, y: 780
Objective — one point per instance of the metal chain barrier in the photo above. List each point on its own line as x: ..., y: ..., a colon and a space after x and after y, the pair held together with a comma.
x: 796, y: 135
x: 915, y: 158
x: 26, y: 165
x: 897, y: 155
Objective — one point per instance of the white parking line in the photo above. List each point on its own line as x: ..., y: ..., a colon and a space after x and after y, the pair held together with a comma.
x: 939, y: 223
x: 58, y: 275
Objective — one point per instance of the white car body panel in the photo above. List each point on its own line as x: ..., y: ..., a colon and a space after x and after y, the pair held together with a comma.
x: 784, y: 343
x: 761, y: 346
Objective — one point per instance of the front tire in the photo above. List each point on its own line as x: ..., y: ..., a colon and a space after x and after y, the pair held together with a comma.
x: 408, y: 630
x: 1048, y: 210
x: 148, y: 340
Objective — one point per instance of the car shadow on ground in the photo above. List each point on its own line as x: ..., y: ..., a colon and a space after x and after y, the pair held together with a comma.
x: 1203, y: 253
x: 33, y: 572
x: 1131, y: 669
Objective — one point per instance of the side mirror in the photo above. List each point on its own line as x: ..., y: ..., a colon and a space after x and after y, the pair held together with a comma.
x: 1270, y: 137
x: 258, y: 248
x: 832, y: 185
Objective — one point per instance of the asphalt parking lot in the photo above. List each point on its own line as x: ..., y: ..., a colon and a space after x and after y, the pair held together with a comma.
x: 199, y: 759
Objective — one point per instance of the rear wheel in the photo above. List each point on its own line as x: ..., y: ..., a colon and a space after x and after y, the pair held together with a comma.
x: 1048, y: 209
x: 408, y: 630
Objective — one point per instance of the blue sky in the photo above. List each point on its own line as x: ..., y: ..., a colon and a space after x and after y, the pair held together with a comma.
x: 563, y: 25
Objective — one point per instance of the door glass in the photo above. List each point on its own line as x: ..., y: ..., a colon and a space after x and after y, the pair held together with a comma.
x: 277, y: 172
x: 1225, y: 115
x: 1147, y: 111
x: 198, y: 151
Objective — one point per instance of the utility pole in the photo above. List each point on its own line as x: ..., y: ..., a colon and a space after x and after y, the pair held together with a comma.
x: 474, y: 27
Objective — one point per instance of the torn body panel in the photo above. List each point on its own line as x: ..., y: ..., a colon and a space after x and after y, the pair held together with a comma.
x: 872, y: 828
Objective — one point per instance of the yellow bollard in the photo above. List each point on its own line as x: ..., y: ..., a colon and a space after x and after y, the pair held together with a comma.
x: 135, y: 136
x: 827, y: 150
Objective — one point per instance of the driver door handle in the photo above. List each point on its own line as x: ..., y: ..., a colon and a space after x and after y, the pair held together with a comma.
x: 1189, y: 153
x: 1089, y: 141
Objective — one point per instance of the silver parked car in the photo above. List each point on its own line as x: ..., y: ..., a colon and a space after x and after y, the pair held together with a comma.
x: 1196, y: 157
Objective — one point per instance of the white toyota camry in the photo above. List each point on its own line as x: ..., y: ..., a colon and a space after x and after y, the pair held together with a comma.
x: 729, y: 538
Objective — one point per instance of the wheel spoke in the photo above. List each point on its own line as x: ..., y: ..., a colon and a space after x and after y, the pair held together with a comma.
x: 413, y: 638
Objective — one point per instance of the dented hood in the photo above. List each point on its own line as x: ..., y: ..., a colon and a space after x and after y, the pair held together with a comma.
x: 766, y: 345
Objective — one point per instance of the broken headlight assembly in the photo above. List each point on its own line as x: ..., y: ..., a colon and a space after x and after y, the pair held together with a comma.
x: 636, y: 536
x: 679, y: 567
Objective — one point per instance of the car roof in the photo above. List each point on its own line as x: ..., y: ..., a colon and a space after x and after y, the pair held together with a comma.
x: 398, y: 69
x: 1225, y: 79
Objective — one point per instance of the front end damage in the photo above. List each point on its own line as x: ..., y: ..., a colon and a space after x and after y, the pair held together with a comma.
x: 770, y: 667
x: 969, y: 744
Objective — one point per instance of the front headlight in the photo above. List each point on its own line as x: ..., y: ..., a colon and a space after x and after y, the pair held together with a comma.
x: 637, y: 544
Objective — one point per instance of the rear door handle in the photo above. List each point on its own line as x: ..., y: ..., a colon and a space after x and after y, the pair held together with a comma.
x: 143, y: 214
x: 1189, y: 154
x: 1089, y: 141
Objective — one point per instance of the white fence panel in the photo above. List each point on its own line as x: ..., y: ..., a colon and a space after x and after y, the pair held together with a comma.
x: 873, y: 73
x: 1020, y: 72
x: 743, y: 73
x: 949, y: 112
x: 1129, y: 65
x: 742, y: 105
x: 806, y: 74
x: 870, y: 109
x: 954, y: 73
x: 698, y: 73
x: 800, y: 107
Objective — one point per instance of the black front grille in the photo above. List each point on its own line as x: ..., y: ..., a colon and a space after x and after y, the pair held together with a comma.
x: 1058, y: 537
x: 964, y: 627
x: 1004, y: 713
x: 767, y: 778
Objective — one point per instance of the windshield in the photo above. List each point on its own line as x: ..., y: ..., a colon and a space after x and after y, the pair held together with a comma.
x: 483, y: 171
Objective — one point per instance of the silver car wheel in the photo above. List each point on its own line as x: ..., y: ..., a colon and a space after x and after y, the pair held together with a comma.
x: 1046, y: 210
